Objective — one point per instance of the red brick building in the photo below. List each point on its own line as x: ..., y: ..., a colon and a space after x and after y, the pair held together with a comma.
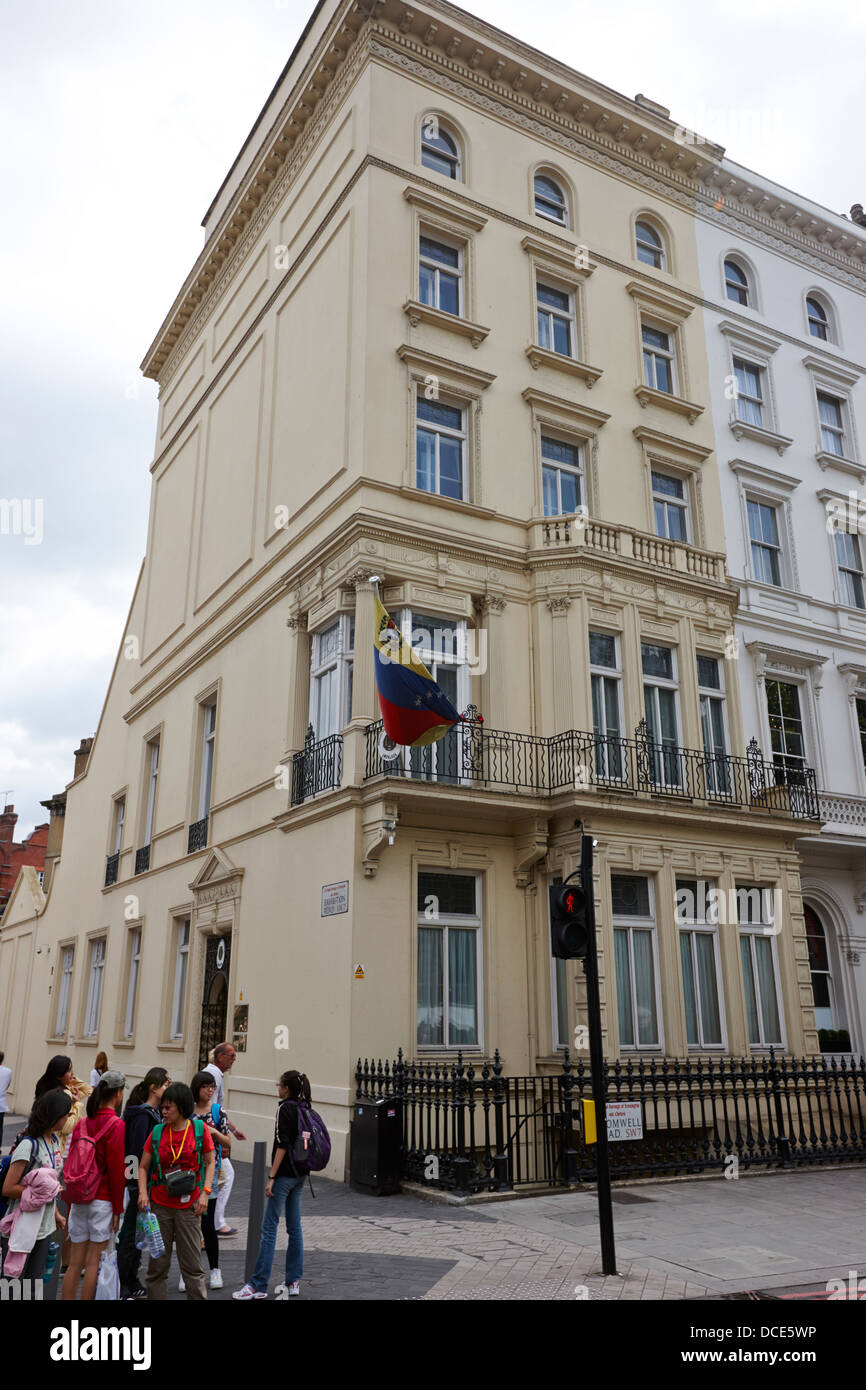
x: 13, y: 857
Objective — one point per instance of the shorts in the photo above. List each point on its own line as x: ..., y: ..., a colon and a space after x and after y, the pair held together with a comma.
x: 90, y: 1221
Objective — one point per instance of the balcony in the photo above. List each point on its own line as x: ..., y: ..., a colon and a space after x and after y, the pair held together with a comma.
x: 142, y: 860
x: 318, y: 767
x: 197, y: 837
x: 847, y: 813
x: 111, y: 866
x: 472, y: 755
x: 578, y: 533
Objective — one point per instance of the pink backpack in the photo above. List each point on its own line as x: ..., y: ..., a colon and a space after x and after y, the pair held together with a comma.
x: 81, y: 1174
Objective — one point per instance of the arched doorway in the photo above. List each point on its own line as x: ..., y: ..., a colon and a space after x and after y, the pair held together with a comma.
x: 215, y: 995
x: 821, y: 966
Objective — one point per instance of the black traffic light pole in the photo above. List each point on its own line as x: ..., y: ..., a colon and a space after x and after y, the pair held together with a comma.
x: 596, y: 1062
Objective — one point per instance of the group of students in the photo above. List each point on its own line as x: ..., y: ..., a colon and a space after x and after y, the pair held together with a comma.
x: 165, y: 1156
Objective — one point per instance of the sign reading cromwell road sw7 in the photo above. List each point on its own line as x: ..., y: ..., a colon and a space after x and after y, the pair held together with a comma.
x: 624, y: 1120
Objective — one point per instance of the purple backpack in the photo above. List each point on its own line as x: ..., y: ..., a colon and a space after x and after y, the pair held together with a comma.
x: 312, y: 1148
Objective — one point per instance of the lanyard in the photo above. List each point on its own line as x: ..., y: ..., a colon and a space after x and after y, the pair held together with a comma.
x: 175, y: 1157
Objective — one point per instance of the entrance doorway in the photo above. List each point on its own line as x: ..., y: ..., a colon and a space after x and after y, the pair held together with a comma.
x: 215, y: 995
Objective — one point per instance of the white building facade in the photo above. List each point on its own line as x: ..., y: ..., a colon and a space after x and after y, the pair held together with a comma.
x: 785, y: 317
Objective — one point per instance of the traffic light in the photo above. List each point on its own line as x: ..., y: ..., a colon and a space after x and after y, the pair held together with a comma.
x: 569, y: 921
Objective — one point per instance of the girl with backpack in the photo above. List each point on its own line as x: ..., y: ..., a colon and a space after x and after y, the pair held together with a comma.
x: 284, y: 1189
x: 175, y: 1178
x: 100, y: 1067
x: 203, y: 1087
x: 59, y: 1073
x: 141, y: 1114
x: 39, y: 1147
x: 94, y: 1178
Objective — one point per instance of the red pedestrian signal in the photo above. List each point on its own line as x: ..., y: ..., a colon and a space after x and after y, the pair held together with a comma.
x: 569, y: 927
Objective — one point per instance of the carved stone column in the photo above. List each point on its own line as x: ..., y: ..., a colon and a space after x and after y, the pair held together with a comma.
x: 299, y: 684
x: 490, y: 650
x: 365, y: 705
x: 563, y: 694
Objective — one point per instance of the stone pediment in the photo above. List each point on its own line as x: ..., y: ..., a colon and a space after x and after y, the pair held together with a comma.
x: 26, y: 900
x: 217, y: 878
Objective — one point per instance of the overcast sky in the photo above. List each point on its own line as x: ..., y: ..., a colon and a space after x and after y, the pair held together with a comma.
x: 118, y: 122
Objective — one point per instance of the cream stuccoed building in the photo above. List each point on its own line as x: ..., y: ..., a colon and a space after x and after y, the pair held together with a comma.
x: 784, y: 282
x: 447, y: 329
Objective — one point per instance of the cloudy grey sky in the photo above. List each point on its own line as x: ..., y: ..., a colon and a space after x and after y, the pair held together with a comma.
x: 118, y: 121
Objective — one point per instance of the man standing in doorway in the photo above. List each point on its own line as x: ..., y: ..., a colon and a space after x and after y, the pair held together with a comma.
x: 223, y: 1060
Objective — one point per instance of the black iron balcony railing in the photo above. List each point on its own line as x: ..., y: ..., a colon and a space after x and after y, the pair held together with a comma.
x: 197, y: 838
x: 318, y: 767
x: 473, y: 755
x: 111, y: 865
x: 142, y: 860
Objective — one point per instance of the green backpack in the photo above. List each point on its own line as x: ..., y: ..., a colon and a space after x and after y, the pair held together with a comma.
x: 156, y: 1173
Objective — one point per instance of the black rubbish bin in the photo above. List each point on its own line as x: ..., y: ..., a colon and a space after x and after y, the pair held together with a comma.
x: 377, y: 1133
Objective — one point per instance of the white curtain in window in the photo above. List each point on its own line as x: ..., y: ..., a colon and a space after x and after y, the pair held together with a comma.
x: 707, y: 986
x: 751, y: 997
x: 645, y: 995
x: 623, y: 988
x: 692, y: 1032
x: 462, y: 1010
x: 767, y: 985
x: 430, y: 1002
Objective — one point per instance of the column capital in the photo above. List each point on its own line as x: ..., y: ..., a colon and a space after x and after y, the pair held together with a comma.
x: 491, y: 603
x: 559, y: 605
x: 357, y: 578
x: 297, y: 622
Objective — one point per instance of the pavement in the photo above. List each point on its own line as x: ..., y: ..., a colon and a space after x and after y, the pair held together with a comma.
x: 675, y: 1240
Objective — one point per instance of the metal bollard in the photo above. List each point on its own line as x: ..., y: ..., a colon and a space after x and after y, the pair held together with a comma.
x: 257, y: 1207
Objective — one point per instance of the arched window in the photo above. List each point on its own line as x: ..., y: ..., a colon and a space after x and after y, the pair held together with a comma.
x: 819, y: 964
x: 649, y: 246
x: 736, y: 283
x: 440, y: 150
x: 550, y: 200
x: 819, y: 321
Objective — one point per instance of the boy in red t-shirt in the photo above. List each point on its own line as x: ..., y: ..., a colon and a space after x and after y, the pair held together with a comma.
x: 185, y: 1154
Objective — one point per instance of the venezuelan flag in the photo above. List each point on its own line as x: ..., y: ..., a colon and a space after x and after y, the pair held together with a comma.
x: 415, y: 712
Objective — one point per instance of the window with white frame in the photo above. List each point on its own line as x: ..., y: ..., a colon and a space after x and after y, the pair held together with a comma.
x: 818, y: 319
x: 331, y: 675
x: 556, y: 319
x: 658, y: 359
x: 441, y: 443
x: 94, y: 987
x: 649, y: 246
x: 711, y: 698
x: 660, y: 709
x: 440, y: 150
x: 787, y: 740
x: 607, y: 721
x: 850, y: 563
x: 561, y: 476
x: 449, y: 960
x: 132, y: 981
x: 64, y: 989
x: 750, y: 392
x: 119, y: 814
x: 181, y: 962
x: 208, y: 738
x: 634, y: 951
x: 670, y: 506
x: 152, y: 779
x: 832, y: 423
x: 697, y: 919
x: 736, y: 282
x: 861, y: 728
x: 760, y: 966
x: 442, y: 645
x: 440, y: 274
x: 766, y: 549
x: 550, y: 200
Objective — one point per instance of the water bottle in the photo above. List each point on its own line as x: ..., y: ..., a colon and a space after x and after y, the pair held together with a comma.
x: 51, y: 1261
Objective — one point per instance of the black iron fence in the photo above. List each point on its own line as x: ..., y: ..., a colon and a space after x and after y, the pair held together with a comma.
x: 473, y: 755
x: 111, y: 866
x: 318, y: 767
x: 142, y: 859
x: 197, y: 835
x: 469, y: 1128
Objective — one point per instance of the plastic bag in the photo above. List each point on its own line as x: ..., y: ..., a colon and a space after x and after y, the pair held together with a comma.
x: 148, y: 1236
x: 108, y: 1279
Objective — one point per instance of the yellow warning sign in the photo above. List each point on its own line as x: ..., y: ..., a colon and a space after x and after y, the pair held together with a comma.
x: 359, y: 972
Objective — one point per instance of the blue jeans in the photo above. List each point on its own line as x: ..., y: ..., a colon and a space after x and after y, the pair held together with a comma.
x: 286, y: 1198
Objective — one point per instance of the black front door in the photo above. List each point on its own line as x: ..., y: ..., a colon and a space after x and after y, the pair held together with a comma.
x: 215, y: 995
